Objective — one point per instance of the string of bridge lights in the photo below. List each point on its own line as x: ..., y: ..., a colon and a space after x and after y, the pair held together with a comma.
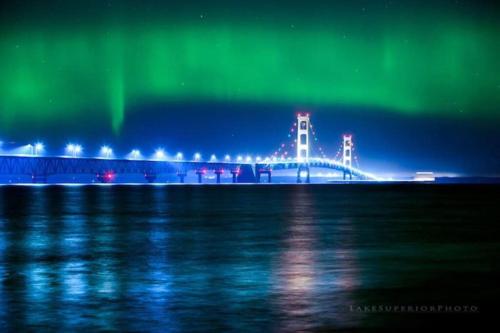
x: 354, y: 155
x: 73, y: 150
x: 339, y: 152
x: 282, y: 152
x: 315, y: 138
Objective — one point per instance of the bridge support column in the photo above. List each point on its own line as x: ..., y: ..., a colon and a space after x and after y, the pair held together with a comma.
x: 350, y: 175
x: 181, y: 176
x: 299, y: 176
x: 259, y: 173
x: 235, y: 175
x: 200, y: 173
x: 218, y: 173
x: 150, y: 177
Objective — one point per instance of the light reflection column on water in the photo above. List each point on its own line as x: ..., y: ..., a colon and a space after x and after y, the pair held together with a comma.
x: 316, y: 274
x: 101, y: 202
x: 41, y: 253
x: 148, y: 278
x: 56, y: 272
x: 3, y: 271
x: 75, y: 269
x: 296, y: 273
x: 28, y: 281
x: 157, y: 290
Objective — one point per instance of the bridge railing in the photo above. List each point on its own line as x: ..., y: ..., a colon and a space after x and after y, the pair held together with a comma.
x: 63, y: 165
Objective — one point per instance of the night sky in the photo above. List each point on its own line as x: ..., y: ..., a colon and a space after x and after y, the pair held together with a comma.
x: 417, y: 83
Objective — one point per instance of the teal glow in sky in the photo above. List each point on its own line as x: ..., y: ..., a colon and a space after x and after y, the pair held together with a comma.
x: 109, y: 60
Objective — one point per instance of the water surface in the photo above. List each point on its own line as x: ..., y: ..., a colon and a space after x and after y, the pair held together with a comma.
x: 246, y: 258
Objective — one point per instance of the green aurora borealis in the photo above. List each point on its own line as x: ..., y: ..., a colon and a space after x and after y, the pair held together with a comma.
x: 444, y: 64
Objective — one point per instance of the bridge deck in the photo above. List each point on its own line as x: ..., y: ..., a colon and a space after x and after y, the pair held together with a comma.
x: 41, y: 166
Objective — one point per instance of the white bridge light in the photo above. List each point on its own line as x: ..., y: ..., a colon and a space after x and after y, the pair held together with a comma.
x: 38, y: 148
x: 135, y: 154
x: 73, y: 150
x: 160, y: 154
x: 106, y: 152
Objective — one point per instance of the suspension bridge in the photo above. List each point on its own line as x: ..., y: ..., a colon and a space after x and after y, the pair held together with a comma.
x: 301, y: 152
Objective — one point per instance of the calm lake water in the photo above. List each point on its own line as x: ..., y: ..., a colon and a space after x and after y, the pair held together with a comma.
x: 247, y: 258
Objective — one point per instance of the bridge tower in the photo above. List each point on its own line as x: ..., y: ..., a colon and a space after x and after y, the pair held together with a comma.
x: 347, y: 153
x: 303, y: 137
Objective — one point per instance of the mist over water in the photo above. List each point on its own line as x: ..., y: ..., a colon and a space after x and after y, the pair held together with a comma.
x: 245, y: 258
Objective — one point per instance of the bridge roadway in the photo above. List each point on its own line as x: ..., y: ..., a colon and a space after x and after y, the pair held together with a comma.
x: 40, y: 168
x: 304, y: 168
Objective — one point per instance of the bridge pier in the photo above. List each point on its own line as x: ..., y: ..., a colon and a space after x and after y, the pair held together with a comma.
x: 181, y: 176
x: 299, y: 176
x: 218, y: 172
x: 261, y: 172
x: 350, y: 175
x: 200, y: 173
x: 235, y: 175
